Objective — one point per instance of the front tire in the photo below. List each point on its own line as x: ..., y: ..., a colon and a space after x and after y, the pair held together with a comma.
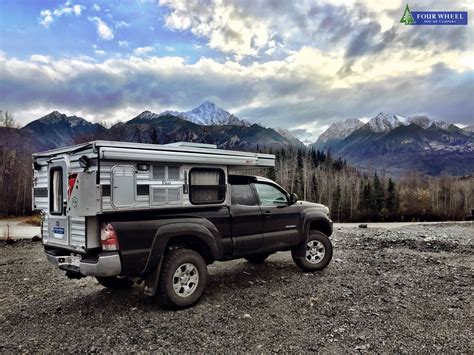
x: 182, y: 280
x: 115, y: 283
x: 315, y: 254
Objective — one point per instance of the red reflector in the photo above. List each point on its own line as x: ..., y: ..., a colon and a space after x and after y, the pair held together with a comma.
x: 70, y: 184
x: 108, y: 237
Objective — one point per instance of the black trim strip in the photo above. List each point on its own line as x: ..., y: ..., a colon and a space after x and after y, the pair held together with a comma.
x: 40, y: 192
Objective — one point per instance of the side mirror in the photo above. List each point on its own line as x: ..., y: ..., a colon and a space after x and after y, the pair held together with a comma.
x: 293, y: 198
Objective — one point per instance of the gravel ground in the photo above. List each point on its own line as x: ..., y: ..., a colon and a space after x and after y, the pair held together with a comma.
x: 402, y: 290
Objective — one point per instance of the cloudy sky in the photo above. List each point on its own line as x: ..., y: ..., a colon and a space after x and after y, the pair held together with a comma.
x: 294, y: 64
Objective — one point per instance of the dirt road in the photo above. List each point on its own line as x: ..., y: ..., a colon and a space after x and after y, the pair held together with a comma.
x: 17, y: 229
x: 401, y: 290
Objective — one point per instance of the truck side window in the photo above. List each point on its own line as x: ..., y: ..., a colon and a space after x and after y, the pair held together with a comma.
x: 243, y: 195
x: 270, y: 195
x: 56, y: 191
x: 207, y: 185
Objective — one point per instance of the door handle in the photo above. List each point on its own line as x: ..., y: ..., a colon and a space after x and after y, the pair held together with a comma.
x: 267, y: 214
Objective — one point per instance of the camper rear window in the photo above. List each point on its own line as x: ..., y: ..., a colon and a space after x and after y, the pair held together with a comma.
x: 206, y: 186
x: 56, y: 191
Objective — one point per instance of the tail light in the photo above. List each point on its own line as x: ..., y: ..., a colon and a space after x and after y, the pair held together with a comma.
x: 70, y: 184
x: 108, y: 237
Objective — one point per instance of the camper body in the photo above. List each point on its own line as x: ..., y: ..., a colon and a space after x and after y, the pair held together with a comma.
x: 158, y: 214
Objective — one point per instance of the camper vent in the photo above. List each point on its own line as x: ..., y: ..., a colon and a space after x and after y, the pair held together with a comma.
x: 143, y: 190
x: 165, y: 172
x: 173, y: 172
x: 159, y: 196
x: 174, y: 195
x: 165, y: 195
x: 159, y: 172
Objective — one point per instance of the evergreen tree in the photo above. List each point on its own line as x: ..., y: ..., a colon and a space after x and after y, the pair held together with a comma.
x: 378, y: 197
x: 392, y: 202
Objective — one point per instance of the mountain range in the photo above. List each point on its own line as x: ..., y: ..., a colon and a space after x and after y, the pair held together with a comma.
x: 398, y: 144
x: 390, y: 142
x: 206, y: 123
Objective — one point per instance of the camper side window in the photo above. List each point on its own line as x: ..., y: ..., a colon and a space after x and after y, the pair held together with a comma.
x: 206, y: 186
x: 56, y: 191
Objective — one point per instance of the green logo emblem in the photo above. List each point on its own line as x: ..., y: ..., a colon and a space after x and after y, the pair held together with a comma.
x: 407, y: 18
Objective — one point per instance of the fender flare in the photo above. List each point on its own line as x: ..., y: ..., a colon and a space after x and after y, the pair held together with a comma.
x: 205, y: 232
x: 312, y: 216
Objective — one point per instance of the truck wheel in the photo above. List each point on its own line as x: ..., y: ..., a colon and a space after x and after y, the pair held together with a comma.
x: 182, y: 280
x: 315, y: 254
x: 257, y: 259
x: 115, y: 283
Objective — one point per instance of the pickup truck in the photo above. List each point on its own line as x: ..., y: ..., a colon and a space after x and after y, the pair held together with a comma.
x: 168, y: 250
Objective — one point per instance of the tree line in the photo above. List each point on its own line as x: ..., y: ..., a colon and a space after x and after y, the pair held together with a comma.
x: 351, y: 194
x: 356, y: 196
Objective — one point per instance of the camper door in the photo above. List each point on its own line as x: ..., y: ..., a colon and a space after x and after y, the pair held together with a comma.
x: 57, y: 199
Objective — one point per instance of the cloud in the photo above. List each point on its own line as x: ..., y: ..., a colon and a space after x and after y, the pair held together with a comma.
x: 123, y: 44
x: 47, y: 16
x: 121, y: 24
x: 225, y: 25
x: 298, y: 92
x: 104, y: 31
x: 140, y: 51
x: 96, y: 7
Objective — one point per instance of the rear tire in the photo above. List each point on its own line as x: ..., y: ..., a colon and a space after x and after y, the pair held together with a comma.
x: 182, y: 280
x: 315, y: 253
x: 257, y: 258
x: 115, y: 283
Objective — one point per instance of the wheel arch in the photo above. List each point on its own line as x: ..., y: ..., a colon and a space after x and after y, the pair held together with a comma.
x: 321, y: 225
x: 193, y: 242
x: 196, y: 236
x: 316, y: 220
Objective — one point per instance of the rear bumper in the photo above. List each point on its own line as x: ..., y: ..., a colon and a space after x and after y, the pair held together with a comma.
x: 106, y: 264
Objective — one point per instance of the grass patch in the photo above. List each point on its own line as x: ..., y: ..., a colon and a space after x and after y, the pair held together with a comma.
x: 34, y: 220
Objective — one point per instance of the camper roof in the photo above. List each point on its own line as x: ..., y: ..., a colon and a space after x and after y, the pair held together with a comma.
x: 185, y: 152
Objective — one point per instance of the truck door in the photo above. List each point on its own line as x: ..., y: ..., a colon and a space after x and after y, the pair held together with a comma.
x: 281, y: 220
x: 247, y: 220
x: 58, y: 223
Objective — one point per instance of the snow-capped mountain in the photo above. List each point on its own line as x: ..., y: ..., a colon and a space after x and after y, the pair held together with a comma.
x: 210, y: 114
x: 425, y: 122
x: 288, y: 135
x: 337, y: 132
x: 469, y: 128
x: 383, y: 123
x: 397, y: 144
x: 207, y: 114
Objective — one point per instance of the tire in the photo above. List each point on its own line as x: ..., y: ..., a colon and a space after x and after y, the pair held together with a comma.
x: 257, y: 258
x: 315, y: 254
x: 182, y: 280
x: 115, y: 283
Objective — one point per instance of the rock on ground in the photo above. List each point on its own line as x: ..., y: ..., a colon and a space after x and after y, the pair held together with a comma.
x: 405, y: 290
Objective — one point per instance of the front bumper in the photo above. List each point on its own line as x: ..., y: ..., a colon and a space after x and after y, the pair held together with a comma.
x: 105, y: 264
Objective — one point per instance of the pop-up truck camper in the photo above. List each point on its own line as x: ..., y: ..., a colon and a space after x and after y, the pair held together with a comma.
x: 157, y: 215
